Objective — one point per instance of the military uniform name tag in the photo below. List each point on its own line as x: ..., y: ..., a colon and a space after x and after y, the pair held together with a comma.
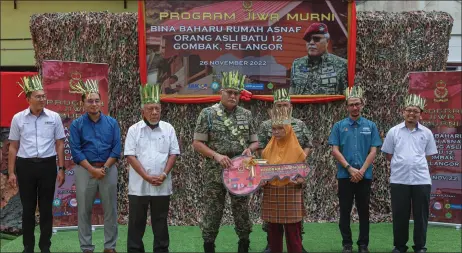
x: 329, y: 75
x: 246, y: 175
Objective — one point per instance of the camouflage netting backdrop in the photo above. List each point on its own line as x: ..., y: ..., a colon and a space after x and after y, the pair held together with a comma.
x: 389, y: 45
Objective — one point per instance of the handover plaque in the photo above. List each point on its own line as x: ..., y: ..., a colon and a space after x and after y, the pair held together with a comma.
x: 247, y: 174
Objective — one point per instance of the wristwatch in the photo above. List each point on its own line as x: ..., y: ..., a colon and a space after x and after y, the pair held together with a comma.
x: 106, y: 168
x: 165, y: 174
x: 347, y: 167
x: 62, y: 168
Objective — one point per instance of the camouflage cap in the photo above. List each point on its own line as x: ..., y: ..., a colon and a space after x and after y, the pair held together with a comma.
x: 150, y: 94
x: 315, y: 28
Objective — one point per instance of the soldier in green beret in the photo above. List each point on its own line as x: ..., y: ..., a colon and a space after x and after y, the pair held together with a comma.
x: 223, y: 131
x: 282, y: 99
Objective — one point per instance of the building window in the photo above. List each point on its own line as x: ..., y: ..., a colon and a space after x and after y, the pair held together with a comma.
x: 453, y: 68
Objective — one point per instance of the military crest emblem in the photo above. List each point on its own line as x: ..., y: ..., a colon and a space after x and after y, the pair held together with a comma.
x: 75, y: 78
x: 441, y: 92
x: 247, y: 5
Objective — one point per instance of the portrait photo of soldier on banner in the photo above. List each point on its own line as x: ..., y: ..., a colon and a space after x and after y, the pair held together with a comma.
x: 297, y: 45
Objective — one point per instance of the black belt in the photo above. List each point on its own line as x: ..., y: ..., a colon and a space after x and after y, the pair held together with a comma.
x: 37, y: 160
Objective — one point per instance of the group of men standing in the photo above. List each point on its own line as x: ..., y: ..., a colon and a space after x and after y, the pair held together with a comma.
x: 151, y: 146
x: 222, y: 131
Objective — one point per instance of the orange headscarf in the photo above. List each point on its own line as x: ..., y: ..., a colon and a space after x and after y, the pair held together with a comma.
x: 285, y: 150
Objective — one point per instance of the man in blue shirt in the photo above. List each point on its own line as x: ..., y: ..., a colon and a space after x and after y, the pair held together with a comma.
x: 354, y: 142
x: 95, y: 147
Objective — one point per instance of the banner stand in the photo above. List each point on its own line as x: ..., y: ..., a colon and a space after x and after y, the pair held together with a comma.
x: 93, y: 228
x: 58, y: 76
x: 444, y: 224
x: 441, y: 90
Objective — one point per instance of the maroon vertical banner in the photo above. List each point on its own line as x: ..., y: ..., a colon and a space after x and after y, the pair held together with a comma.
x: 57, y: 78
x: 442, y: 91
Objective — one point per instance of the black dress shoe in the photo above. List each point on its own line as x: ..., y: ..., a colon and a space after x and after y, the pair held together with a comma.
x: 363, y: 249
x: 347, y: 249
x: 395, y: 250
x: 421, y: 251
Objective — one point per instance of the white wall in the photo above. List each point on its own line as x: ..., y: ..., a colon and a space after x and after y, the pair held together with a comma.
x: 453, y: 8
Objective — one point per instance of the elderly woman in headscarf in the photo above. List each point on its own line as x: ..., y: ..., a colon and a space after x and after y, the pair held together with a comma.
x: 282, y: 204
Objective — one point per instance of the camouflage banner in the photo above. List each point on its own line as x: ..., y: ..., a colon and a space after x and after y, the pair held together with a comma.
x: 301, y: 45
x: 442, y: 91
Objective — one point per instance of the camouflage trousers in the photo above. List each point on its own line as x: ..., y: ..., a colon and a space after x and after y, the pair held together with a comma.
x: 215, y: 192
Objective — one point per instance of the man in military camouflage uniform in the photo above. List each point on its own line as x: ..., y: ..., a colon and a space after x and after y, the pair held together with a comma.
x: 319, y: 72
x: 282, y: 99
x: 223, y: 131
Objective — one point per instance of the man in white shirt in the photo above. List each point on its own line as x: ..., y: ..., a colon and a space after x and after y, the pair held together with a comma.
x: 36, y: 137
x: 409, y: 146
x: 151, y: 147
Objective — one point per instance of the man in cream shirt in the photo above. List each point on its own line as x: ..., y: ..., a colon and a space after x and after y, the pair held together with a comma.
x: 151, y: 147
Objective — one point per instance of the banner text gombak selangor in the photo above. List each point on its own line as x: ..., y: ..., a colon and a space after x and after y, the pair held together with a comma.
x: 237, y: 47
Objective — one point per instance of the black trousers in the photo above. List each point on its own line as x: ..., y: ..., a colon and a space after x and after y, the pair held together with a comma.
x: 402, y: 198
x: 360, y: 192
x: 137, y: 217
x: 37, y: 180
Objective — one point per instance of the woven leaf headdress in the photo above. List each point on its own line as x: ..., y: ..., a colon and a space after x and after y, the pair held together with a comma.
x: 30, y: 84
x: 90, y: 86
x: 354, y: 92
x: 414, y: 100
x: 150, y: 94
x: 281, y: 95
x: 232, y: 80
x: 280, y: 115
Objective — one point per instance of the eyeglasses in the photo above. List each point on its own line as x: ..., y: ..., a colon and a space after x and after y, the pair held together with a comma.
x: 91, y: 101
x: 412, y: 111
x: 355, y: 105
x: 316, y: 39
x: 232, y: 92
x: 41, y: 97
